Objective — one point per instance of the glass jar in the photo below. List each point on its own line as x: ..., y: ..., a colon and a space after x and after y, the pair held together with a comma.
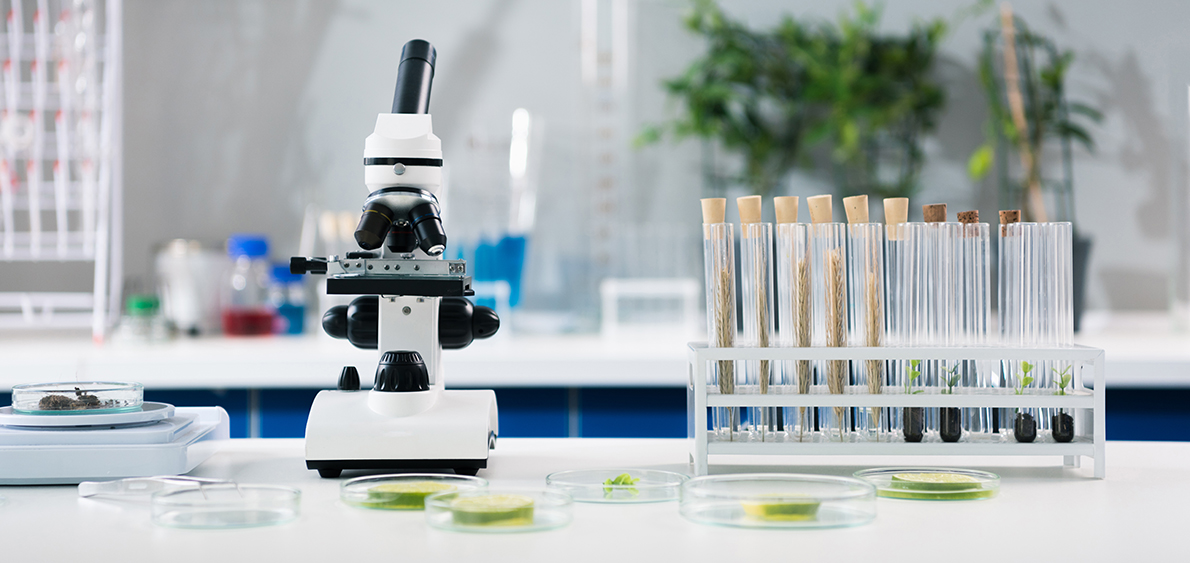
x: 288, y: 297
x: 246, y: 310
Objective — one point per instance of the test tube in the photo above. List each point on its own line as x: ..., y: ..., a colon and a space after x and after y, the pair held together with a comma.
x: 975, y: 312
x: 865, y: 270
x: 909, y: 324
x: 719, y: 262
x: 1008, y: 309
x: 828, y: 297
x: 756, y: 285
x: 793, y: 306
x: 896, y: 211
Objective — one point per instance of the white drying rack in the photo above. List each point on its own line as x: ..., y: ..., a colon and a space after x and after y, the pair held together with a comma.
x: 1086, y: 403
x: 60, y: 158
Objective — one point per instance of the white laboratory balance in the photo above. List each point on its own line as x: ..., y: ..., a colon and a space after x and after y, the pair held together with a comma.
x: 51, y: 446
x: 413, y: 305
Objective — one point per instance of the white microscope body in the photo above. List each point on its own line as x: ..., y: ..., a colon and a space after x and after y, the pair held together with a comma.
x: 413, y: 304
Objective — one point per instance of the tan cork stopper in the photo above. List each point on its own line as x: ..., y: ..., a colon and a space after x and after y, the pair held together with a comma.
x: 935, y: 213
x: 786, y: 208
x: 749, y: 207
x: 714, y: 210
x: 969, y: 217
x: 820, y: 208
x: 856, y: 207
x: 896, y: 211
x: 1008, y: 216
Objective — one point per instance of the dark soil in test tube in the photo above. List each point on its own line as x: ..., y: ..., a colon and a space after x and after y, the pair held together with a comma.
x: 914, y: 423
x: 1024, y: 428
x: 950, y: 424
x: 1063, y: 425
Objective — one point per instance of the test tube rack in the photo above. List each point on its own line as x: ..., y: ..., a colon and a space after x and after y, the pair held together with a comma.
x: 1086, y: 403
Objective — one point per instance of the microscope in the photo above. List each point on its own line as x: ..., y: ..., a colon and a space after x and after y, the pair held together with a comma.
x: 413, y: 305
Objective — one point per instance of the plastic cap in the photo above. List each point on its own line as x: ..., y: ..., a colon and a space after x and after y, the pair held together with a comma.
x: 142, y: 305
x: 281, y: 274
x: 252, y: 246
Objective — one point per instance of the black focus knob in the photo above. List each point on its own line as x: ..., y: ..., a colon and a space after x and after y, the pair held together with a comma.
x: 334, y: 321
x: 349, y: 379
x: 484, y: 322
x: 401, y: 371
x: 460, y: 322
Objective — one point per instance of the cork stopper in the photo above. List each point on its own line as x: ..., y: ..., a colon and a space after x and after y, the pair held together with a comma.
x: 820, y: 208
x: 749, y: 207
x: 896, y: 210
x: 714, y: 210
x: 969, y: 217
x: 856, y: 207
x: 786, y: 208
x: 1008, y: 216
x: 935, y: 213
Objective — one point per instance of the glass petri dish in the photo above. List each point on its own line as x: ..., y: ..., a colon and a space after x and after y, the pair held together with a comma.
x: 932, y: 483
x: 226, y: 505
x: 403, y: 492
x: 499, y: 511
x: 77, y: 397
x: 778, y: 500
x: 618, y: 485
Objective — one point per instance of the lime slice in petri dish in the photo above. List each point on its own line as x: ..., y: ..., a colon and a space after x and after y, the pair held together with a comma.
x: 785, y: 509
x: 404, y: 496
x: 933, y: 482
x: 493, y: 510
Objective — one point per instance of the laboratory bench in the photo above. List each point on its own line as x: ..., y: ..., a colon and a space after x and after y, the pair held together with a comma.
x: 547, y: 386
x: 1044, y: 512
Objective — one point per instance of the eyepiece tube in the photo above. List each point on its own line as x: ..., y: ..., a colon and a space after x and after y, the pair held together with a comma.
x: 427, y: 225
x: 373, y: 226
x: 414, y: 76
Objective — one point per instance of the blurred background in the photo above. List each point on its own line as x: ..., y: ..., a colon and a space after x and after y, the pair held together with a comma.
x: 579, y: 135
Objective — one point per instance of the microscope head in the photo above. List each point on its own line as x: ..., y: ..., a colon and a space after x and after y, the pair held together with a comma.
x: 403, y: 165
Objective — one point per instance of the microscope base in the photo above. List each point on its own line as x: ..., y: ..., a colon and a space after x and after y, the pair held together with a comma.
x: 456, y: 433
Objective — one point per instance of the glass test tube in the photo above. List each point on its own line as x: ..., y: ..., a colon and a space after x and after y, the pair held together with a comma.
x: 975, y: 313
x: 756, y: 284
x: 719, y: 262
x: 1022, y: 305
x: 793, y: 304
x: 909, y: 310
x: 943, y: 287
x: 828, y: 297
x: 865, y: 271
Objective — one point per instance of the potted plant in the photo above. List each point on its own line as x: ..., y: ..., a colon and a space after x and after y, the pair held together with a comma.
x: 768, y: 97
x: 950, y: 421
x: 1062, y: 423
x: 1024, y: 77
x: 1024, y: 427
x: 914, y: 423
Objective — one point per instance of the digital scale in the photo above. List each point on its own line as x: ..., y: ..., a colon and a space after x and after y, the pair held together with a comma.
x: 156, y: 439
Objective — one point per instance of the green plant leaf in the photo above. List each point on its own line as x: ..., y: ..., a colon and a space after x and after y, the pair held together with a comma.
x: 981, y: 160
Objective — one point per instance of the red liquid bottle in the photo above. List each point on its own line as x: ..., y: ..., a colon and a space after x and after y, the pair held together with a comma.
x: 246, y: 309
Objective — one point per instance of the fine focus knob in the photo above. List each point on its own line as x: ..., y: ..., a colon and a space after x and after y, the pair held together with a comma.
x: 349, y: 379
x: 460, y: 322
x: 401, y: 371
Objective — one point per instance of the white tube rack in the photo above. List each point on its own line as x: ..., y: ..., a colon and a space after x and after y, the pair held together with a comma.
x: 1087, y: 403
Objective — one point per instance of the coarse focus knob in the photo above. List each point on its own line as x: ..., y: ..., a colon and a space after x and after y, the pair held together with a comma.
x: 401, y: 371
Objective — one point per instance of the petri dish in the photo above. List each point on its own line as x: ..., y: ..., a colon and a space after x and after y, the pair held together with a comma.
x: 226, y: 505
x: 495, y: 511
x: 778, y: 500
x: 618, y: 485
x: 932, y: 483
x: 403, y: 492
x: 77, y: 397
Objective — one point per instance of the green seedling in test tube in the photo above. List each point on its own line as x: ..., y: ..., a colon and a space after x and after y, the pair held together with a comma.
x: 1024, y: 379
x: 913, y: 375
x: 951, y: 380
x: 1063, y: 380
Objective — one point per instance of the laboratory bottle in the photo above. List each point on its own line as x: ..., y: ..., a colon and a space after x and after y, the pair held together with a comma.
x: 288, y: 297
x: 245, y: 297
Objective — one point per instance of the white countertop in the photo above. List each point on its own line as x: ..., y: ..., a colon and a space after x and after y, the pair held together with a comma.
x: 1042, y: 514
x: 1142, y: 351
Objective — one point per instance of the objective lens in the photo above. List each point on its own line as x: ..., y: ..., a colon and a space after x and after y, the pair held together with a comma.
x: 373, y: 226
x: 427, y: 225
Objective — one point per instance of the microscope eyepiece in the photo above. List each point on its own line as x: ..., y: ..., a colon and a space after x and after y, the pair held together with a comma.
x: 427, y: 225
x: 373, y: 225
x: 414, y: 77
